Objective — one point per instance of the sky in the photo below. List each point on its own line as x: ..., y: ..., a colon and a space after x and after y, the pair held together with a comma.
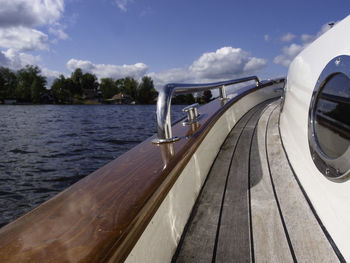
x: 171, y: 41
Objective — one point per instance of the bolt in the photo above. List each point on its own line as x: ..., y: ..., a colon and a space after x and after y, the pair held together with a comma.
x: 337, y: 61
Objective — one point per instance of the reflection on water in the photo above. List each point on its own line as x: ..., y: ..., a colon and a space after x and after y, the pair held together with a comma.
x: 46, y: 148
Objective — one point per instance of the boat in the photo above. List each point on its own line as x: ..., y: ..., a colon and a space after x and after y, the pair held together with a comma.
x: 258, y: 175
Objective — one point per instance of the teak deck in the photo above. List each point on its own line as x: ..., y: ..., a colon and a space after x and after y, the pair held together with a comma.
x: 252, y: 207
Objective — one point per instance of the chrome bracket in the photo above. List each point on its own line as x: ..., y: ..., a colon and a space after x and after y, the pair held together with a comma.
x: 159, y: 141
x: 192, y: 114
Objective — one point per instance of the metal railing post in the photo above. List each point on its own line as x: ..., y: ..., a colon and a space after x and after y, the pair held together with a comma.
x: 222, y: 92
x: 164, y: 102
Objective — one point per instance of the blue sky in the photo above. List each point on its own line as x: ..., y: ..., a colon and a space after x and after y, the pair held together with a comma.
x: 182, y: 41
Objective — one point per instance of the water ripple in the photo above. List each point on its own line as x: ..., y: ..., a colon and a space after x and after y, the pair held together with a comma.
x: 20, y: 151
x: 47, y: 148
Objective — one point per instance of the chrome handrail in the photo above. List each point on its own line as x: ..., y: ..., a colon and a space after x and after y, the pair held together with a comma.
x: 164, y: 102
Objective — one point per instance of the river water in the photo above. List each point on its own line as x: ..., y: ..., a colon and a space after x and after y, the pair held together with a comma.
x: 46, y: 148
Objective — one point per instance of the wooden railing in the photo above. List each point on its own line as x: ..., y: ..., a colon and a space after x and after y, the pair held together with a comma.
x: 101, y: 217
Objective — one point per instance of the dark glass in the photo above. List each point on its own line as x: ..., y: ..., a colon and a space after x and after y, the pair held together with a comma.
x: 332, y: 116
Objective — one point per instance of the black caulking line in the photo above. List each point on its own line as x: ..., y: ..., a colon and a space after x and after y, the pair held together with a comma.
x: 275, y: 194
x: 324, y: 229
x: 249, y: 187
x: 189, y: 221
x: 224, y: 193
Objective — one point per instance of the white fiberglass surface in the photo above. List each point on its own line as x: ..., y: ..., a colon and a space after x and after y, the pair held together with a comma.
x: 330, y: 199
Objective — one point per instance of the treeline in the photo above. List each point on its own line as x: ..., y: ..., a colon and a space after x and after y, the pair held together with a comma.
x: 85, y: 86
x: 27, y: 85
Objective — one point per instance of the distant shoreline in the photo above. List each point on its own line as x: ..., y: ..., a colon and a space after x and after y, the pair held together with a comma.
x: 87, y: 102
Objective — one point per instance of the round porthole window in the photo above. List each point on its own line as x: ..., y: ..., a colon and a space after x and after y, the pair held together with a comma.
x: 329, y: 120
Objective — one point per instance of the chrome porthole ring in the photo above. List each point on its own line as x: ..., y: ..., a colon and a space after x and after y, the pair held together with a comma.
x: 329, y: 120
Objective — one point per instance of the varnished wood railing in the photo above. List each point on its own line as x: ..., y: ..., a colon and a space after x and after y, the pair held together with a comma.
x: 101, y: 217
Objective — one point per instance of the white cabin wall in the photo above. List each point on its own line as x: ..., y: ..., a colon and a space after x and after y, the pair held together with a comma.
x: 330, y: 199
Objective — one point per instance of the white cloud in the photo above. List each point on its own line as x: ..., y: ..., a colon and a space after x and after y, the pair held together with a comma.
x: 291, y: 51
x: 181, y: 75
x: 58, y: 32
x: 307, y: 38
x: 16, y: 60
x: 50, y: 75
x: 108, y: 71
x: 122, y: 4
x: 288, y: 37
x: 3, y: 60
x: 266, y: 37
x: 23, y: 38
x: 30, y: 13
x: 254, y: 64
x: 147, y: 11
x: 19, y: 20
x: 326, y: 27
x: 288, y: 54
x: 225, y: 63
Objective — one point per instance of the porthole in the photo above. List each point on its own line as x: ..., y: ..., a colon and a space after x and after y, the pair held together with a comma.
x: 329, y: 120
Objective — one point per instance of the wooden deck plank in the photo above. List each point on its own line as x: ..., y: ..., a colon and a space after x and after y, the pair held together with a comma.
x: 308, y: 240
x: 275, y: 196
x: 199, y: 240
x: 269, y: 239
x: 233, y: 242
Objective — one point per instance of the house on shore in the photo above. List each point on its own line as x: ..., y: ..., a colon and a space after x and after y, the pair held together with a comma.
x: 120, y: 98
x: 8, y: 101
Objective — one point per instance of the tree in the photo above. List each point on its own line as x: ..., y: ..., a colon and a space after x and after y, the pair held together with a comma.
x: 8, y: 83
x: 89, y: 81
x: 109, y: 88
x: 2, y: 86
x: 120, y: 83
x: 61, y: 91
x: 77, y: 78
x: 31, y: 84
x: 23, y: 90
x: 36, y: 90
x: 183, y: 99
x: 70, y: 86
x: 146, y: 92
x: 82, y: 82
x: 130, y: 87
